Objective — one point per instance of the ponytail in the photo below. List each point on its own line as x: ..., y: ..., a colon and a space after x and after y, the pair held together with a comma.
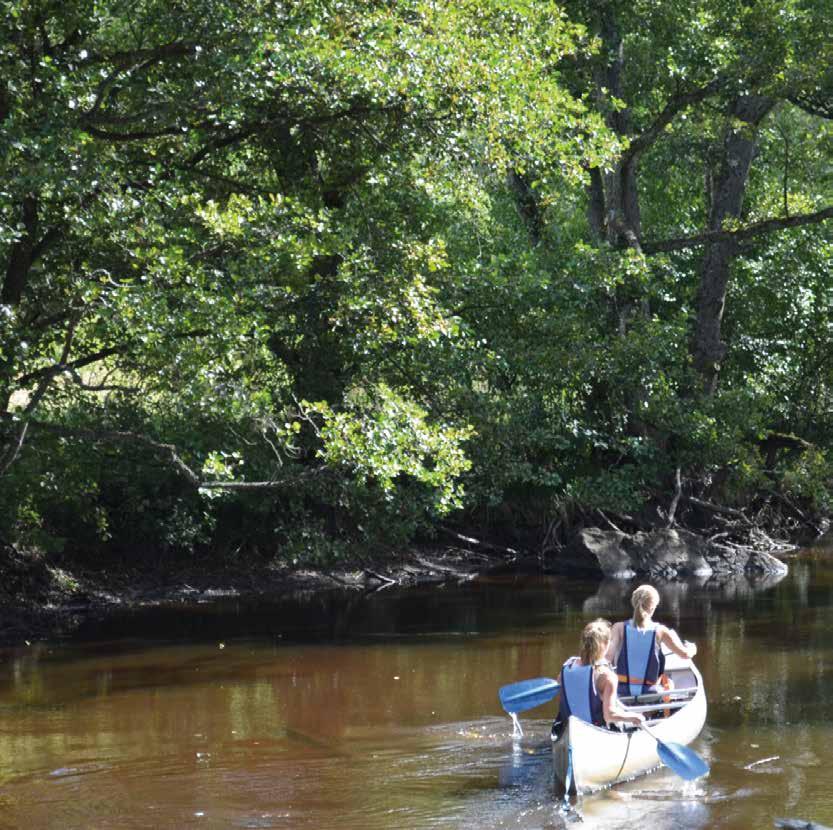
x: 594, y: 641
x: 643, y: 599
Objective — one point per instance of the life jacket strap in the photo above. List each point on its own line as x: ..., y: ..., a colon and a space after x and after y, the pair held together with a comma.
x: 625, y: 678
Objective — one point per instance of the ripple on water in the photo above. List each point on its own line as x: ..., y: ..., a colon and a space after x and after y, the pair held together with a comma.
x: 266, y: 735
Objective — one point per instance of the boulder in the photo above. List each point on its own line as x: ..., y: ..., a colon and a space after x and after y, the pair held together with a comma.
x: 662, y: 554
x: 601, y: 550
x: 669, y: 554
x: 730, y: 560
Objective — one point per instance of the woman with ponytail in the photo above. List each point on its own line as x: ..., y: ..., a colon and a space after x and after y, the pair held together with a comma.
x: 588, y: 684
x: 636, y: 646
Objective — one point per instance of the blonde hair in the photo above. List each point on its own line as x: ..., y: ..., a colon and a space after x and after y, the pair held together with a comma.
x: 644, y: 599
x: 594, y: 641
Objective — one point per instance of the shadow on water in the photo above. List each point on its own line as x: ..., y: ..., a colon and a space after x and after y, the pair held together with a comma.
x: 382, y: 711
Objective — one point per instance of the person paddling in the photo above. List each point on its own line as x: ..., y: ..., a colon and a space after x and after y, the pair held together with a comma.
x: 636, y: 646
x: 588, y: 683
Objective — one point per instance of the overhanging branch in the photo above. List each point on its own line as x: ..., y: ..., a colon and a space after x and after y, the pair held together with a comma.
x: 169, y: 453
x: 94, y: 357
x: 60, y: 368
x: 675, y: 105
x: 749, y: 232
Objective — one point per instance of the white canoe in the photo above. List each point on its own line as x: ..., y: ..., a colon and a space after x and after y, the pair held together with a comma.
x: 602, y: 757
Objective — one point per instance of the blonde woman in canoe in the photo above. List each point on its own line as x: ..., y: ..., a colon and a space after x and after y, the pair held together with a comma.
x: 636, y: 646
x: 588, y: 683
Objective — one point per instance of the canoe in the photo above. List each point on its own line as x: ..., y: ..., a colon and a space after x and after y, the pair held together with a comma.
x: 603, y: 757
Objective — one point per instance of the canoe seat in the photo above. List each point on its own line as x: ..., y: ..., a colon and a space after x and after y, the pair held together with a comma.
x: 659, y: 697
x: 652, y: 707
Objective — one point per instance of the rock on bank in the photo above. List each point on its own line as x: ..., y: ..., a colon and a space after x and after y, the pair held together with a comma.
x: 662, y: 554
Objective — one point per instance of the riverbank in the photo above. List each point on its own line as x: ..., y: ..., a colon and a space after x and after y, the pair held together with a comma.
x: 378, y: 712
x: 39, y: 599
x: 43, y: 597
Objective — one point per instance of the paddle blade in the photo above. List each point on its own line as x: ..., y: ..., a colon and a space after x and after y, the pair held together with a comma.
x: 527, y: 694
x: 682, y: 760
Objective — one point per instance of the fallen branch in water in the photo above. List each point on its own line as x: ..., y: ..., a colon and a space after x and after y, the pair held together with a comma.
x: 472, y: 541
x: 763, y: 761
x: 436, y: 566
x: 381, y: 577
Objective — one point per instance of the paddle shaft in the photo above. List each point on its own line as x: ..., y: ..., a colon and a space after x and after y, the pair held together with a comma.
x: 645, y: 728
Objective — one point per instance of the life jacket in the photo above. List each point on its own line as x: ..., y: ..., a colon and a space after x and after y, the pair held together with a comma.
x: 640, y: 662
x: 578, y: 694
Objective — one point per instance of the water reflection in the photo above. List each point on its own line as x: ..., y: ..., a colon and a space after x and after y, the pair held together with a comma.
x: 382, y: 712
x: 612, y: 596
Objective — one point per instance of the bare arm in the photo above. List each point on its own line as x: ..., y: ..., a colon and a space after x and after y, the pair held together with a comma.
x: 613, y: 710
x: 669, y: 637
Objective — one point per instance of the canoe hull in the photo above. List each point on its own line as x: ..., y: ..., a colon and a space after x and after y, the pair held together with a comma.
x: 602, y: 757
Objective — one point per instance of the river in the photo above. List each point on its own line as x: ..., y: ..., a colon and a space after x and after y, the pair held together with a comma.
x: 345, y: 711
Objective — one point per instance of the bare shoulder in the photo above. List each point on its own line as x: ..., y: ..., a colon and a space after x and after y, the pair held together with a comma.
x: 605, y: 677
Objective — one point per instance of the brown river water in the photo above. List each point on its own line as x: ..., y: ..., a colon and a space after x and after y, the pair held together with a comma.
x: 381, y: 711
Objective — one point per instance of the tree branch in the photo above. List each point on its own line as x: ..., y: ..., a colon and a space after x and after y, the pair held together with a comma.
x: 716, y: 508
x: 16, y: 445
x: 675, y: 105
x: 175, y: 49
x: 59, y: 368
x: 138, y: 135
x: 100, y: 387
x: 168, y: 452
x: 22, y: 254
x: 818, y: 106
x: 757, y: 229
x: 81, y: 362
x: 678, y: 491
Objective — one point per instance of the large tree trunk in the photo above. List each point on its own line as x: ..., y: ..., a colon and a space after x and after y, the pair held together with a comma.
x: 613, y: 196
x: 21, y: 255
x: 528, y: 204
x: 727, y: 192
x: 613, y: 206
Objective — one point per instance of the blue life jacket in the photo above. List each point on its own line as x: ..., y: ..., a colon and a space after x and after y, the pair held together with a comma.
x: 640, y: 662
x: 578, y: 694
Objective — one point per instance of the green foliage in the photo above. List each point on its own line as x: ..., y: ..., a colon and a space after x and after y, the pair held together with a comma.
x: 810, y: 479
x: 382, y: 437
x: 620, y: 488
x: 284, y: 243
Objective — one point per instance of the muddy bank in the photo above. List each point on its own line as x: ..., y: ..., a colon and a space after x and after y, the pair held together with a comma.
x: 39, y: 599
x: 42, y: 597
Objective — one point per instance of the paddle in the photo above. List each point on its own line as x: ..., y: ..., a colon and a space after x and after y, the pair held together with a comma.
x: 527, y: 694
x: 682, y: 760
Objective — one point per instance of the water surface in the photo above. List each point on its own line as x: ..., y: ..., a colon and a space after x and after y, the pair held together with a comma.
x: 381, y: 711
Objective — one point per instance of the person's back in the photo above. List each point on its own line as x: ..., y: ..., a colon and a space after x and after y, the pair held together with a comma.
x: 636, y: 646
x: 588, y: 684
x: 640, y: 662
x: 579, y: 695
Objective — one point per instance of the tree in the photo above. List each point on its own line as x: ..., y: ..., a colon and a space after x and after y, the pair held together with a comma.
x: 659, y: 372
x: 188, y: 250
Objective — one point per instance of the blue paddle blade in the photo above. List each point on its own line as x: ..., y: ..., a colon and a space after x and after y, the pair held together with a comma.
x: 682, y: 760
x: 527, y: 694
